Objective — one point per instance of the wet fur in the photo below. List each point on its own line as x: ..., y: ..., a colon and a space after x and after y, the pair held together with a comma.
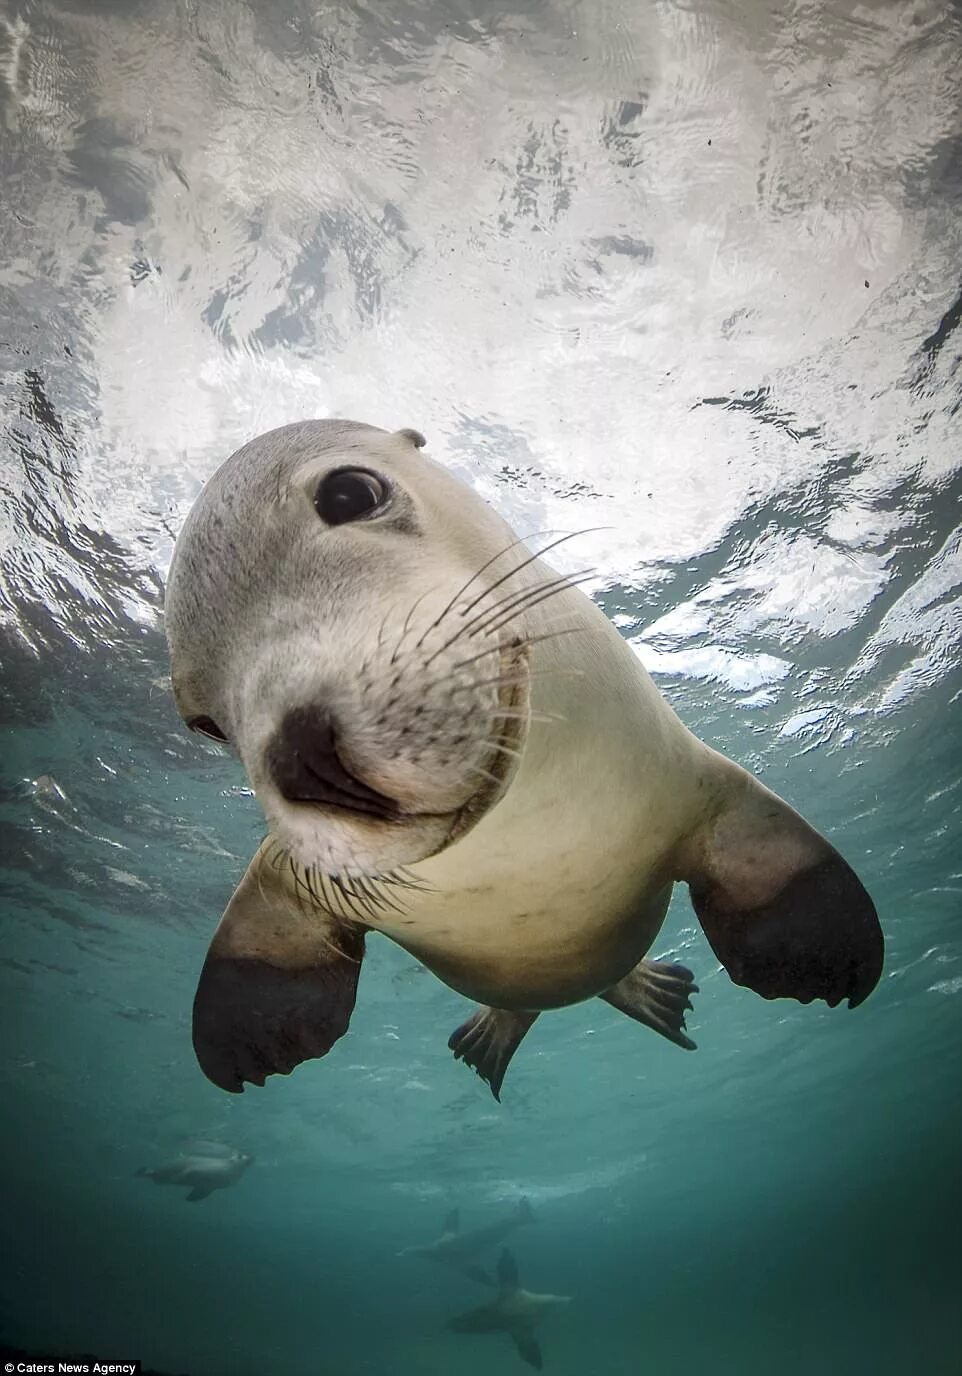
x: 547, y: 797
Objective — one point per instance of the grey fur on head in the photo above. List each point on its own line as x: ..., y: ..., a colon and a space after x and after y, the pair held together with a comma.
x: 380, y: 624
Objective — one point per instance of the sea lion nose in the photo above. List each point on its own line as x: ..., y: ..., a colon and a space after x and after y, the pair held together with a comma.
x: 304, y: 765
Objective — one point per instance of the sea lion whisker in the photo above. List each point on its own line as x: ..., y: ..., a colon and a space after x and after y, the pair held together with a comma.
x: 336, y: 905
x: 511, y: 676
x: 519, y: 714
x: 403, y: 878
x: 529, y: 605
x: 367, y: 887
x: 357, y: 902
x: 310, y: 886
x: 482, y: 654
x: 342, y: 897
x: 513, y: 604
x: 407, y: 623
x: 370, y: 885
x: 477, y: 574
x: 354, y: 878
x: 298, y: 885
x: 324, y: 901
x: 463, y: 589
x: 530, y: 560
x: 380, y: 634
x: 329, y: 910
x: 509, y: 680
x: 333, y: 896
x: 260, y: 886
x: 551, y: 635
x: 513, y: 599
x: 524, y: 644
x: 275, y: 855
x: 362, y: 885
x: 503, y: 749
x: 500, y: 616
x: 485, y: 774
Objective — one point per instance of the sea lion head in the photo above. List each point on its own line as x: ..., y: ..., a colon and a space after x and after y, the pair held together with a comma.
x: 350, y: 618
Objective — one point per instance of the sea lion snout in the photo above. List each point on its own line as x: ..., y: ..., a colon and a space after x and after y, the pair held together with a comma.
x: 303, y: 760
x: 366, y: 755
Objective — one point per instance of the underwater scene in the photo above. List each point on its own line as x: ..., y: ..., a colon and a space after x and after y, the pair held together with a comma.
x: 482, y: 868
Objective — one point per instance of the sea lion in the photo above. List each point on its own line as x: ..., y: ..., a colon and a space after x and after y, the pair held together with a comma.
x: 515, y: 1311
x: 203, y: 1174
x: 457, y: 1250
x: 453, y: 746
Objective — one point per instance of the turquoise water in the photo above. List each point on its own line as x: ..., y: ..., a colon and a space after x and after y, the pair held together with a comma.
x: 741, y: 357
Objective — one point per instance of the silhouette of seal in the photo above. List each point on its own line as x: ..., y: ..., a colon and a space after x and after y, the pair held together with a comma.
x: 457, y: 1249
x: 201, y: 1174
x: 515, y: 1312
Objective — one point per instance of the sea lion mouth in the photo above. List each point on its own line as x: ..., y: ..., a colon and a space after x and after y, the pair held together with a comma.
x: 504, y: 753
x: 350, y: 797
x: 306, y: 767
x: 372, y: 829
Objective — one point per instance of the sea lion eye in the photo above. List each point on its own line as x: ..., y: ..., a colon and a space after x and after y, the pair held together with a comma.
x: 204, y: 726
x: 347, y: 495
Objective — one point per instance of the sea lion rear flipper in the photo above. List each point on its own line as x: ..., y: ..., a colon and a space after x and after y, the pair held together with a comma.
x: 487, y: 1319
x: 527, y: 1345
x: 278, y: 985
x: 657, y: 994
x: 488, y: 1040
x: 782, y: 910
x: 507, y: 1272
x: 479, y: 1274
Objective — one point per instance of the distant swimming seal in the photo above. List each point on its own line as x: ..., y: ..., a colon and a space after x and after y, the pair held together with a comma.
x: 458, y: 1250
x: 515, y: 1312
x: 202, y: 1174
x: 453, y: 746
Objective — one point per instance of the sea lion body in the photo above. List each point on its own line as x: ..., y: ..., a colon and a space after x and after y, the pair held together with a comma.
x: 200, y: 1174
x: 532, y: 909
x: 453, y: 746
x: 515, y: 1311
x: 458, y: 1250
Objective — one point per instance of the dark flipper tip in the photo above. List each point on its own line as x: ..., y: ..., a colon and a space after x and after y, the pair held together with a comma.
x: 527, y: 1345
x: 657, y: 994
x: 819, y: 938
x: 487, y: 1041
x: 253, y: 1019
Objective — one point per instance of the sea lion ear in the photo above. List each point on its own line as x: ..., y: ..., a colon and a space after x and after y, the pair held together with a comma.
x: 278, y: 985
x: 783, y: 912
x: 415, y: 436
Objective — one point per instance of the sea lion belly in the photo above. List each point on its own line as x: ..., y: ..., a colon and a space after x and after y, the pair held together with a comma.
x: 521, y: 944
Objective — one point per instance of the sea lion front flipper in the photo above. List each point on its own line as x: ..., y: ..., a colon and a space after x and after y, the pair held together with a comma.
x: 197, y: 1193
x: 278, y: 985
x: 488, y: 1040
x: 527, y: 1344
x: 657, y: 994
x: 781, y: 909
